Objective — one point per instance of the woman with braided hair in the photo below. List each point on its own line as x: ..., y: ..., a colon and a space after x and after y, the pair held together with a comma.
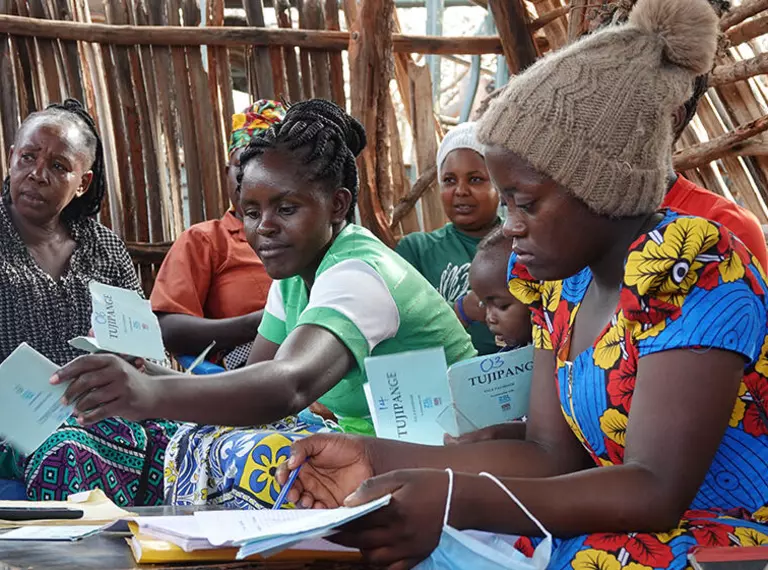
x: 339, y: 296
x: 211, y: 285
x: 51, y: 248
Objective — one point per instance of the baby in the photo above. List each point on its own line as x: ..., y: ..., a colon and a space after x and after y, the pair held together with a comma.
x: 507, y: 318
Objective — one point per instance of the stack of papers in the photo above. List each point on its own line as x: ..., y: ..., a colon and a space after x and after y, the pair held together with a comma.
x: 251, y: 532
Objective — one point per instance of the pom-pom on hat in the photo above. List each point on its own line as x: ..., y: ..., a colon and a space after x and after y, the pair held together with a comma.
x: 596, y: 116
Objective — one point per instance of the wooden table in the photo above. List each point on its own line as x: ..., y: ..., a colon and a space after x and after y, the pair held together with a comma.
x: 109, y: 551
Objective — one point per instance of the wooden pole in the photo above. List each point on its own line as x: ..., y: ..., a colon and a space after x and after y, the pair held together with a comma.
x: 222, y: 109
x: 748, y: 30
x: 425, y: 139
x: 548, y: 18
x: 370, y: 63
x: 738, y: 14
x: 119, y: 97
x: 337, y: 65
x: 401, y: 185
x: 314, y: 19
x: 143, y: 72
x: 27, y: 67
x: 405, y: 206
x: 186, y: 109
x: 556, y: 31
x: 148, y: 253
x: 736, y: 104
x: 46, y: 53
x: 283, y: 14
x: 211, y: 167
x: 704, y: 153
x: 9, y: 89
x: 170, y: 126
x: 262, y: 67
x: 516, y: 40
x: 69, y: 54
x: 576, y: 19
x: 97, y: 101
x: 231, y: 36
x: 730, y: 73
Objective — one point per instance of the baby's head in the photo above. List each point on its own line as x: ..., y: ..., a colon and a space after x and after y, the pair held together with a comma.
x: 506, y: 317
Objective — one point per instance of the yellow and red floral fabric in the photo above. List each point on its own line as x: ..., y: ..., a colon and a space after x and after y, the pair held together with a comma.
x: 688, y: 284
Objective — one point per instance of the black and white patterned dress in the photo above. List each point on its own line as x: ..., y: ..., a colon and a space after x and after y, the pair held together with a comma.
x: 44, y: 312
x: 123, y: 458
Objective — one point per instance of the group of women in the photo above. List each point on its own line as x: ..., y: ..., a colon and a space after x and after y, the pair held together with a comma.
x: 647, y: 431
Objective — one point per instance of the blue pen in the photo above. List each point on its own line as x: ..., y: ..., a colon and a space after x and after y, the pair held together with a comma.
x: 287, y: 487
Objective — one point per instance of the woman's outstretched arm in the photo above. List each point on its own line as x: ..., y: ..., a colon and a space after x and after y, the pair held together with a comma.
x: 308, y: 363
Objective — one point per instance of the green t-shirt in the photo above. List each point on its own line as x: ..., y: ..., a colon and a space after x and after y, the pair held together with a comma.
x: 443, y: 257
x: 375, y: 303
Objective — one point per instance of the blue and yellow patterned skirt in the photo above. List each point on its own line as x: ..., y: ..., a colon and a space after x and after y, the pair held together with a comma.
x: 230, y: 466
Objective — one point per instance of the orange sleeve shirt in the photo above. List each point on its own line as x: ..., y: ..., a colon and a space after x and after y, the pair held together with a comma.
x: 688, y: 198
x: 212, y: 272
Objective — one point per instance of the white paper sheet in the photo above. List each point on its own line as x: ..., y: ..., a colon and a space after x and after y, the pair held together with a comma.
x: 51, y: 533
x: 240, y: 527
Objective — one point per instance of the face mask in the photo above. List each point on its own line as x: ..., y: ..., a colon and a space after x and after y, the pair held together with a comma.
x: 483, y: 550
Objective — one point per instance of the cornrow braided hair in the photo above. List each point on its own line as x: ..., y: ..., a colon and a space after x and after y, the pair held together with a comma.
x: 612, y: 12
x: 333, y: 139
x: 88, y: 204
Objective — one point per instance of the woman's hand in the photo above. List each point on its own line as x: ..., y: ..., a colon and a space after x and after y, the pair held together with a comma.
x: 105, y: 385
x: 139, y: 363
x: 334, y: 465
x: 405, y: 532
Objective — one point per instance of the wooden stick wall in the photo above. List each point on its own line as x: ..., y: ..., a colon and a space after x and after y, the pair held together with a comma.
x: 160, y: 87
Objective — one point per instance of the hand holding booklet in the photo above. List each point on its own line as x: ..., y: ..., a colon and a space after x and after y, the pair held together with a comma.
x: 30, y: 406
x: 415, y: 397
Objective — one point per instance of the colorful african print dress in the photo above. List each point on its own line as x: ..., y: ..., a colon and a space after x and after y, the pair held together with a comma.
x: 687, y: 284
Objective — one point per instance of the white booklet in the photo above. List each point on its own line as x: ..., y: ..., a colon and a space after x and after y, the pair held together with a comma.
x: 30, y: 406
x: 414, y: 397
x: 406, y: 394
x: 122, y: 323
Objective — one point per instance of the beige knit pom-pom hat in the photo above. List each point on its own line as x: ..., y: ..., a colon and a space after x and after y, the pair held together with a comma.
x: 596, y: 116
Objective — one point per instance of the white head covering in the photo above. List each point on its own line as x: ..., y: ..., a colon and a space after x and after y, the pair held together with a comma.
x: 461, y: 136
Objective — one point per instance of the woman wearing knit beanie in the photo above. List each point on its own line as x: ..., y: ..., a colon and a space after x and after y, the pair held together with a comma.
x: 647, y: 420
x: 682, y: 194
x: 471, y: 203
